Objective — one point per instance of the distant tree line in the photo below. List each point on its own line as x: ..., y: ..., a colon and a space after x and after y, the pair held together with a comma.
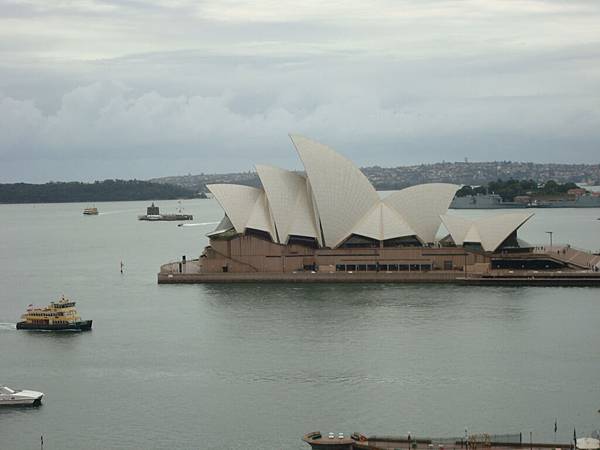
x: 509, y: 189
x: 393, y: 178
x: 107, y: 190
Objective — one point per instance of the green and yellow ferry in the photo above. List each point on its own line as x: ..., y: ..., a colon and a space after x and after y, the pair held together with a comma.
x: 58, y: 316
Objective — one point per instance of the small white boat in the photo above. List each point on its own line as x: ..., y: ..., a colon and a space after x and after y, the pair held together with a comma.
x: 16, y: 397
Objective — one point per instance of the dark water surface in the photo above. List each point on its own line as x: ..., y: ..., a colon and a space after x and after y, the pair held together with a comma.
x: 256, y: 366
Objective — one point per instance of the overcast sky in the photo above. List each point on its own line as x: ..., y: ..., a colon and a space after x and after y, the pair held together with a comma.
x: 94, y: 89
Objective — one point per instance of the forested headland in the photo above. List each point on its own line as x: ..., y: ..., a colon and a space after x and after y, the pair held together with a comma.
x: 509, y: 189
x: 98, y: 191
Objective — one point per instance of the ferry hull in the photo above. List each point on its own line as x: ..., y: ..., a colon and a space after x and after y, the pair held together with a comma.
x: 25, y: 397
x: 84, y: 325
x: 167, y: 217
x: 22, y: 402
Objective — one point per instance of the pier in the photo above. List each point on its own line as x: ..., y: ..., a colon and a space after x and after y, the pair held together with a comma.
x: 190, y: 272
x: 358, y: 441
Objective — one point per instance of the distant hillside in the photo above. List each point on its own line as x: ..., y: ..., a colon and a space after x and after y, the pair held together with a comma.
x: 198, y: 183
x: 471, y: 173
x: 509, y: 189
x: 107, y: 190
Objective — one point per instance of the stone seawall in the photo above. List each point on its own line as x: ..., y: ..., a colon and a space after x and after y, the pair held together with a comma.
x: 191, y: 275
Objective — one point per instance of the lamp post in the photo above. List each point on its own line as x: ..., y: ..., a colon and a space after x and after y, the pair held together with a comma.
x: 550, y: 233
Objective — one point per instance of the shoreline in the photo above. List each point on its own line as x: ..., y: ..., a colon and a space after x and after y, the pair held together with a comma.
x: 190, y: 274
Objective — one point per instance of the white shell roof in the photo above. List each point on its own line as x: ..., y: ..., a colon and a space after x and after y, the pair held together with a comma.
x: 370, y: 226
x: 305, y: 222
x: 336, y: 198
x: 237, y: 201
x: 245, y: 206
x: 341, y: 192
x: 422, y: 205
x: 287, y: 194
x: 495, y: 229
x: 458, y: 227
x: 260, y: 217
x: 474, y: 236
x: 490, y: 231
x: 223, y: 226
x: 383, y: 223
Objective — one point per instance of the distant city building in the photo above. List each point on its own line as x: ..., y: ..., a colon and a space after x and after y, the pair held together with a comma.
x: 394, y: 178
x: 523, y: 199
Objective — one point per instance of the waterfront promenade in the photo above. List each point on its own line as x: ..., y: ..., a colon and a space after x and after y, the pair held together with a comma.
x: 189, y: 272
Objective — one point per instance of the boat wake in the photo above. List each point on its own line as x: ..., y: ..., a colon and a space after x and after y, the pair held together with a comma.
x: 8, y: 326
x: 120, y: 211
x: 203, y: 224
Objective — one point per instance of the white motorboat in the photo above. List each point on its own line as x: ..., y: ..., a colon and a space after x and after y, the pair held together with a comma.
x: 16, y: 397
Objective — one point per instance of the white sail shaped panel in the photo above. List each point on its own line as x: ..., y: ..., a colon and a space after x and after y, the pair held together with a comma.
x: 473, y: 235
x: 422, y: 205
x: 342, y: 193
x: 382, y: 223
x: 223, y: 226
x: 393, y: 225
x: 495, y: 229
x: 305, y: 222
x: 315, y: 210
x: 260, y: 217
x: 238, y: 202
x: 288, y: 200
x: 370, y: 226
x: 281, y: 187
x: 457, y: 226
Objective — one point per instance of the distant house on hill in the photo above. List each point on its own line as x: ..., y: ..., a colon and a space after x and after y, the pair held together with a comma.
x: 576, y: 192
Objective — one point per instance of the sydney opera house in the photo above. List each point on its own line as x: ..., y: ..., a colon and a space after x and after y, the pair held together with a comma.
x: 331, y: 220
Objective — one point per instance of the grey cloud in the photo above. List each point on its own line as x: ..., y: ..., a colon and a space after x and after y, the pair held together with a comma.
x: 16, y: 9
x: 111, y: 121
x: 411, y: 82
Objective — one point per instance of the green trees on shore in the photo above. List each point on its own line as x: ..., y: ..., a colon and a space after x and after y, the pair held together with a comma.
x: 121, y: 190
x: 107, y: 190
x: 509, y: 189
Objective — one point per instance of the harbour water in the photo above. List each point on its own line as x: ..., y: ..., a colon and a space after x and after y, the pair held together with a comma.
x: 257, y: 366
